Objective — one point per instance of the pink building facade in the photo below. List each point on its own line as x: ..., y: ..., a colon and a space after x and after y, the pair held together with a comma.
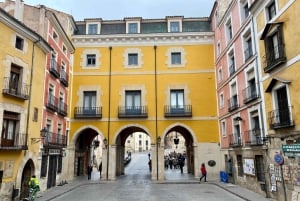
x: 241, y: 127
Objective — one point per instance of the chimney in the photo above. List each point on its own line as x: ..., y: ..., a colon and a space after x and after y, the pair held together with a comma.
x: 19, y: 10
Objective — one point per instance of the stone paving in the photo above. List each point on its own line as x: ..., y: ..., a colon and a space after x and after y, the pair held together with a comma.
x: 137, y: 185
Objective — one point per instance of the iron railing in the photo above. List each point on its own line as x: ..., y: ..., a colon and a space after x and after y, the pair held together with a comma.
x: 233, y: 103
x: 88, y: 112
x: 15, y: 89
x: 250, y: 93
x: 133, y: 111
x: 52, y: 102
x: 235, y: 140
x: 178, y: 111
x: 64, y: 77
x: 54, y: 68
x: 281, y: 118
x: 254, y: 137
x: 18, y: 142
x: 62, y: 108
x: 274, y: 57
x: 55, y: 139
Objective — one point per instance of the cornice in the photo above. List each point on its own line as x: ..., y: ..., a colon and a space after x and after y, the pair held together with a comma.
x: 187, y: 38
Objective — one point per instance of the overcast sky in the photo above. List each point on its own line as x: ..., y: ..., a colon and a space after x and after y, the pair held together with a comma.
x: 118, y: 9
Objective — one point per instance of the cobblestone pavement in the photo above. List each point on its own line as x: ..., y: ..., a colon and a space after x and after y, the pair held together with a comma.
x: 136, y: 185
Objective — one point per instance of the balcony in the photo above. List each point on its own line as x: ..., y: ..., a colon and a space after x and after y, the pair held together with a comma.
x: 274, y: 57
x: 133, y: 112
x: 18, y: 141
x: 281, y: 118
x: 233, y: 103
x: 235, y: 140
x: 64, y: 78
x: 54, y: 68
x: 178, y: 111
x: 254, y: 137
x: 250, y: 93
x: 55, y: 140
x: 62, y: 108
x: 88, y: 112
x: 52, y: 103
x: 17, y: 90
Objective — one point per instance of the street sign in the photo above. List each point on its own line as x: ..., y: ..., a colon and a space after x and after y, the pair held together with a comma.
x: 291, y: 148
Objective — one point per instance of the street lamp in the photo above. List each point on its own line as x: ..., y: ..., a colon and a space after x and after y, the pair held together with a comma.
x: 43, y: 134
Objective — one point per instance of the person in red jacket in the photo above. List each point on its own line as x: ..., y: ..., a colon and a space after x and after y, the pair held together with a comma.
x: 203, y: 172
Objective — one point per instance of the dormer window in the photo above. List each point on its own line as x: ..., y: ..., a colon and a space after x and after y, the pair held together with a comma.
x: 92, y: 29
x: 174, y: 26
x: 133, y: 27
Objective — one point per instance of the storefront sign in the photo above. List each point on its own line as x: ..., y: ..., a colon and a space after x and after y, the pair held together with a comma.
x: 54, y: 151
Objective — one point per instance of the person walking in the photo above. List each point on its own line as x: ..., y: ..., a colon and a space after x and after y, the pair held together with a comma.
x: 100, y: 168
x: 203, y: 172
x: 34, y: 186
x: 89, y: 171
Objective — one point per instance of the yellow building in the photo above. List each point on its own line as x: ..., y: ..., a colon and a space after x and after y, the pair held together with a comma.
x: 277, y: 26
x: 22, y: 62
x: 153, y: 76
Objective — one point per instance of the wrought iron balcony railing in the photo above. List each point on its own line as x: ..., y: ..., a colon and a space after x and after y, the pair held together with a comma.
x: 281, y: 118
x: 274, y: 57
x: 232, y: 69
x: 64, y: 78
x: 178, y: 111
x: 233, y: 103
x: 235, y: 140
x: 133, y: 112
x: 250, y: 93
x: 16, y: 141
x: 15, y: 89
x: 52, y: 103
x: 88, y: 112
x: 254, y: 137
x: 54, y: 68
x: 62, y: 108
x: 55, y: 139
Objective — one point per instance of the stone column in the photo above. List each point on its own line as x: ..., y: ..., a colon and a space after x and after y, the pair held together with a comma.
x: 112, y: 162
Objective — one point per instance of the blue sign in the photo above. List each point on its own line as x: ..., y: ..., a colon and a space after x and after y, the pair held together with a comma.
x: 279, y: 159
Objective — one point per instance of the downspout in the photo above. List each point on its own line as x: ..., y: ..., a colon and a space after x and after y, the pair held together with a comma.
x: 108, y: 120
x: 156, y: 129
x: 30, y: 86
x: 260, y: 105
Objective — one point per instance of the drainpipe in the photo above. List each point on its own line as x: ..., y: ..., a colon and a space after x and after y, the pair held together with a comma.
x: 156, y: 129
x: 108, y: 121
x: 29, y: 93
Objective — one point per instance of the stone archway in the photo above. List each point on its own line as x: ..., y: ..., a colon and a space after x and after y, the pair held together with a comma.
x: 28, y: 171
x: 189, y: 139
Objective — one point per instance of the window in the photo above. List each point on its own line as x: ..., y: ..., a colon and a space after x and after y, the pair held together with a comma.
x: 64, y: 49
x: 231, y: 63
x: 271, y: 10
x: 244, y: 9
x: 251, y: 90
x: 228, y: 29
x: 89, y: 102
x: 218, y: 49
x: 133, y: 102
x: 176, y: 58
x: 14, y: 80
x: 221, y: 99
x: 61, y: 104
x: 177, y: 101
x: 223, y: 128
x: 9, y: 128
x: 174, y: 27
x: 248, y: 53
x: 132, y: 59
x: 132, y: 27
x: 255, y: 125
x: 237, y: 134
x: 35, y: 114
x: 220, y: 74
x: 92, y: 28
x: 274, y: 47
x: 91, y: 60
x: 19, y: 43
x: 55, y: 36
x: 233, y: 102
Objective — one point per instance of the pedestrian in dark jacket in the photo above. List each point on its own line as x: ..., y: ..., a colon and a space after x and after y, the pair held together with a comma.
x: 100, y: 168
x: 203, y: 172
x: 89, y: 171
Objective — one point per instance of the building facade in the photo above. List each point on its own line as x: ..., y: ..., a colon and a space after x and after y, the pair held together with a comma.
x: 240, y: 104
x: 47, y: 23
x: 276, y: 26
x: 22, y: 60
x: 154, y: 76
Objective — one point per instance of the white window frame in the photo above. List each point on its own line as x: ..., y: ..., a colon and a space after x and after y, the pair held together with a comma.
x: 90, y: 24
x: 128, y: 51
x: 221, y: 100
x: 83, y: 62
x: 242, y: 4
x: 176, y: 50
x: 228, y: 34
x: 231, y: 55
x: 223, y: 128
x: 246, y: 35
x: 129, y: 23
x: 267, y: 14
x: 220, y: 74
